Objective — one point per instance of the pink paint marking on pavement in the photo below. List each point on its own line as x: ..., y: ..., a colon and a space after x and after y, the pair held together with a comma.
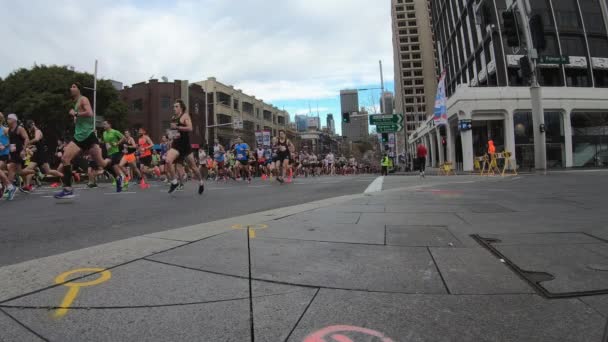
x: 334, y: 332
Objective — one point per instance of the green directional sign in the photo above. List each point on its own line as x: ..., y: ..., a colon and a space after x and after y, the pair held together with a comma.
x: 554, y: 60
x: 391, y: 128
x: 385, y: 119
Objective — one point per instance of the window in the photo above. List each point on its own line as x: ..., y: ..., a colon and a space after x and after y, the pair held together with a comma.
x: 138, y: 105
x: 590, y: 139
x: 236, y: 105
x: 165, y: 102
x: 400, y: 16
x: 416, y: 56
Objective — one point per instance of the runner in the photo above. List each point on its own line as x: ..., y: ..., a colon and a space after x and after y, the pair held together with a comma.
x: 284, y: 148
x: 421, y: 154
x: 219, y: 157
x: 38, y: 147
x: 164, y: 147
x: 145, y: 157
x: 113, y: 139
x: 18, y: 140
x: 242, y: 159
x: 84, y: 140
x: 6, y: 186
x: 202, y: 161
x: 129, y: 159
x: 181, y: 126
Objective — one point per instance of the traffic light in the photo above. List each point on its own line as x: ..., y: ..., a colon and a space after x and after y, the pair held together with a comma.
x: 346, y: 117
x: 526, y: 67
x: 509, y: 20
x: 538, y: 32
x: 384, y: 138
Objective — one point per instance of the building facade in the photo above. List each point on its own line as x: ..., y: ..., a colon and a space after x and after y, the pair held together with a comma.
x: 301, y: 123
x: 151, y: 106
x: 226, y: 104
x: 484, y: 84
x: 331, y: 124
x: 414, y: 62
x: 358, y: 127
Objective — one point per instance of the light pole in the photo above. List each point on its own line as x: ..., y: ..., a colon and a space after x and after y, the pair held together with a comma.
x: 538, y: 116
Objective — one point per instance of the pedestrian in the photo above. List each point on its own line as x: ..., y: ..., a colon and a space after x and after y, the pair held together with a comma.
x: 421, y: 153
x: 385, y: 164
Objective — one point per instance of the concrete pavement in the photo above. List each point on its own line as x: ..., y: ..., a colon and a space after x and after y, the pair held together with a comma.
x: 419, y: 261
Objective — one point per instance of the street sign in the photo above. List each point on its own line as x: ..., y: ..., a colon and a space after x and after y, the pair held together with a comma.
x: 389, y: 128
x: 383, y: 119
x: 237, y: 123
x: 554, y: 60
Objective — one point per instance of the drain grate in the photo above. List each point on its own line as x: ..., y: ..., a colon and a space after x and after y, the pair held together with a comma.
x: 540, y: 271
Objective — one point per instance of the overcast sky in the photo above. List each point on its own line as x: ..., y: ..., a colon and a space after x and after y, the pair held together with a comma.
x: 287, y: 52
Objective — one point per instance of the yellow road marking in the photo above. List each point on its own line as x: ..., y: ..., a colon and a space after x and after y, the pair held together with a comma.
x: 67, y: 301
x: 251, y: 228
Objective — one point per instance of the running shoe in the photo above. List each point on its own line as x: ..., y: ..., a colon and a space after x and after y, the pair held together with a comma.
x: 10, y: 193
x: 173, y: 187
x: 180, y: 187
x: 55, y: 185
x: 91, y: 185
x: 201, y: 189
x: 280, y: 180
x: 24, y: 189
x: 64, y: 194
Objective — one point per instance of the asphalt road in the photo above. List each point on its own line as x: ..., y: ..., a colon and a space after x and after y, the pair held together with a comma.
x: 36, y: 225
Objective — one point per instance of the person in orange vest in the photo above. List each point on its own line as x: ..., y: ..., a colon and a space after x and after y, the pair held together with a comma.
x: 491, y: 147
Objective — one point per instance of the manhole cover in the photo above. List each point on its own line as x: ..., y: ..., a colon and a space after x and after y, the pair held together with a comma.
x: 557, y: 265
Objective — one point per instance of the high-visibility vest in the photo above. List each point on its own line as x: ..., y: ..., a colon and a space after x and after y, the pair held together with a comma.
x: 386, y: 161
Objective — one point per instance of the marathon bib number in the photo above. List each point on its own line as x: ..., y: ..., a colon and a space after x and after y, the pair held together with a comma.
x: 239, y: 156
x: 173, y: 134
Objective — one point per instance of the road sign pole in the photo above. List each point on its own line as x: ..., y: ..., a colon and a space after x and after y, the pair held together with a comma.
x: 538, y: 116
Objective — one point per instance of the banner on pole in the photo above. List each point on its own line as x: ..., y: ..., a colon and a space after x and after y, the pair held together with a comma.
x: 266, y: 138
x: 259, y: 138
x: 441, y: 111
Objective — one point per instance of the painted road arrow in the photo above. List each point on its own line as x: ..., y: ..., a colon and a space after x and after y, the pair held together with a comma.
x: 386, y: 119
x: 389, y: 128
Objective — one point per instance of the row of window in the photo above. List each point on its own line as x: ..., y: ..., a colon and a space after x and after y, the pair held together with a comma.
x: 466, y: 49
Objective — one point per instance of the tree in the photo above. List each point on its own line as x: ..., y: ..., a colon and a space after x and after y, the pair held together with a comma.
x: 42, y: 94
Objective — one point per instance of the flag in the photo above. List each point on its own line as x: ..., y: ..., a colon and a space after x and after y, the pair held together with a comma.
x: 441, y: 111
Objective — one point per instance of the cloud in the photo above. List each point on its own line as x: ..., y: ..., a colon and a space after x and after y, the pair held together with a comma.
x: 273, y: 49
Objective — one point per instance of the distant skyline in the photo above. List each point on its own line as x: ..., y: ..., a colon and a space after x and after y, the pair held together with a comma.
x: 280, y: 57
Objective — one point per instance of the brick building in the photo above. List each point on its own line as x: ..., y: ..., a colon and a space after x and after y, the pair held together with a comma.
x: 151, y: 106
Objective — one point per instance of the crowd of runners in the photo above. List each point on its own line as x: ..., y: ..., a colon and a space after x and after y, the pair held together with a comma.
x: 25, y: 159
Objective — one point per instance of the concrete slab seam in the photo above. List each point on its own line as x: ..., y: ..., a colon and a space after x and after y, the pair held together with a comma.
x: 541, y: 290
x: 24, y: 326
x: 292, y: 284
x: 447, y: 289
x: 262, y: 238
x: 105, y: 269
x: 295, y: 326
x: 25, y: 307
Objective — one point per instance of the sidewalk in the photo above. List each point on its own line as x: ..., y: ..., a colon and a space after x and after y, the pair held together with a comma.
x: 419, y: 261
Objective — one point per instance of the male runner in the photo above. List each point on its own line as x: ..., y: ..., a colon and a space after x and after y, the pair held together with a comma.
x: 242, y: 159
x: 18, y: 140
x: 84, y: 140
x: 181, y: 126
x: 113, y: 139
x: 38, y: 147
x: 284, y: 148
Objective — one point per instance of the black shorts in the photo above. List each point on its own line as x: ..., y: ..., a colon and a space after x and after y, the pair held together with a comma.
x: 283, y: 156
x: 116, y: 158
x: 146, y: 161
x: 93, y: 165
x: 40, y: 158
x: 15, y: 158
x: 4, y: 158
x: 87, y: 143
x: 184, y: 149
x: 243, y: 161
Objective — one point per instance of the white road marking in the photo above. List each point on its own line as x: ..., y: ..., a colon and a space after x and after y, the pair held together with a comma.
x: 376, y: 186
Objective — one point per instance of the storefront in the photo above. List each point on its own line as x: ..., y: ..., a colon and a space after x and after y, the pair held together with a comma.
x: 590, y: 139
